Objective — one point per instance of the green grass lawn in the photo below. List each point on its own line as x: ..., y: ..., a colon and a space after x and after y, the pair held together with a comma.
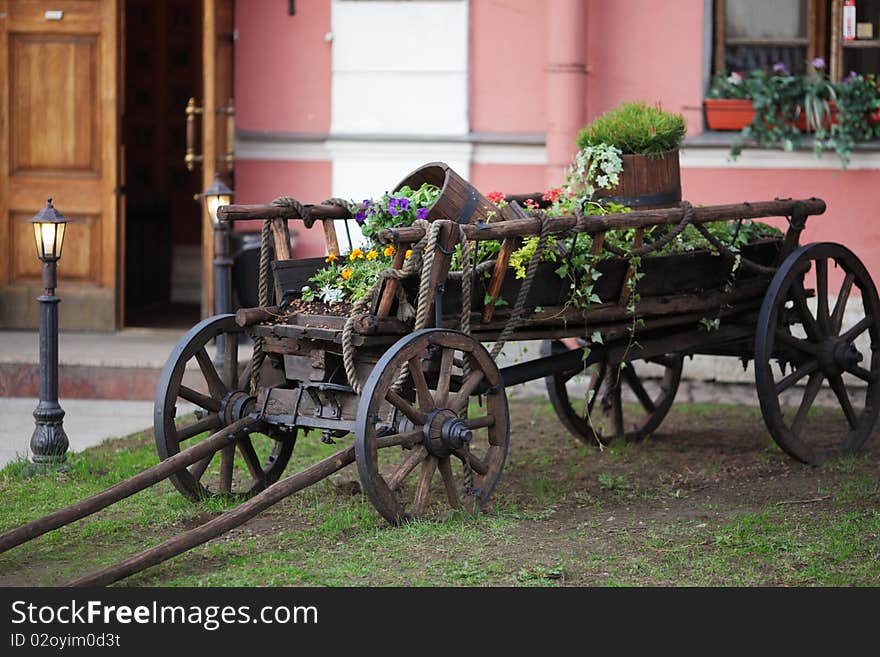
x: 672, y: 510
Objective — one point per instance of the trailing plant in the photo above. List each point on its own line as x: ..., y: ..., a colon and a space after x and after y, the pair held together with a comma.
x: 635, y: 128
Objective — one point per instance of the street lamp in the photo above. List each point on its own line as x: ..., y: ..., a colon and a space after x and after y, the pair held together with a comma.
x: 216, y: 195
x: 49, y: 442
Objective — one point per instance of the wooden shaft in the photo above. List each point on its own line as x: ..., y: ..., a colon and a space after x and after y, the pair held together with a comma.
x: 330, y: 236
x: 508, y: 246
x: 282, y: 238
x: 269, y: 211
x: 623, y: 220
x: 250, y: 316
x: 123, y: 489
x: 446, y: 241
x: 391, y: 285
x: 221, y: 524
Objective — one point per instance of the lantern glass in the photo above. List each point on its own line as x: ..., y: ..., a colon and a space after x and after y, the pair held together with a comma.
x: 49, y: 236
x: 213, y: 202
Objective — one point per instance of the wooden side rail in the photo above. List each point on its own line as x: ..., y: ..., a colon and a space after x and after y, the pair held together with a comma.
x: 623, y: 220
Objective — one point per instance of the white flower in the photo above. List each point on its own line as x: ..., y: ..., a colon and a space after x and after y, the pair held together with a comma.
x: 331, y: 295
x: 735, y: 78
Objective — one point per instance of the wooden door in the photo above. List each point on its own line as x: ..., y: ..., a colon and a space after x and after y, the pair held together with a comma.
x: 217, y: 122
x: 58, y: 138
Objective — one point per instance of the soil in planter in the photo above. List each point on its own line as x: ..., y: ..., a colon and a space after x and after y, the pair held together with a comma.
x: 300, y: 307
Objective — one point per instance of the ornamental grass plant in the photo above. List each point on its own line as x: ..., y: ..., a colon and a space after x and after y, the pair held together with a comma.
x: 636, y: 128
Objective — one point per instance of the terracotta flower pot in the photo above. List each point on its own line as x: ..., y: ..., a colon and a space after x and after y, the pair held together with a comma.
x: 830, y: 120
x: 728, y: 113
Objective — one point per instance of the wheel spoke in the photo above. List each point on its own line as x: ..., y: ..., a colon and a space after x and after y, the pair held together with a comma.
x: 798, y: 343
x: 822, y: 313
x: 426, y: 402
x: 477, y: 464
x: 857, y: 329
x: 208, y: 422
x: 444, y: 377
x: 429, y: 465
x: 230, y: 361
x: 197, y: 398
x: 199, y: 467
x: 215, y: 384
x: 227, y: 460
x: 803, y: 310
x: 406, y: 466
x: 862, y: 373
x: 445, y: 467
x: 788, y: 381
x: 252, y: 461
x: 405, y: 407
x: 460, y: 401
x: 616, y: 410
x: 480, y: 422
x: 635, y: 384
x: 596, y: 385
x: 840, y: 306
x: 843, y: 397
x: 811, y: 390
x: 406, y: 438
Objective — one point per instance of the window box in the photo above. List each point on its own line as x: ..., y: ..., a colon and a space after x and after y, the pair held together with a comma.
x: 728, y: 113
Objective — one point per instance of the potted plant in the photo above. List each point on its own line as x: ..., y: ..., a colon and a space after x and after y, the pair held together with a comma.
x: 648, y: 139
x: 728, y: 104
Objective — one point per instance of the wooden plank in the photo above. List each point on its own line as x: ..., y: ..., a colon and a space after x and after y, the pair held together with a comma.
x: 330, y: 236
x: 502, y: 259
x: 282, y: 238
x: 390, y: 290
x: 624, y: 220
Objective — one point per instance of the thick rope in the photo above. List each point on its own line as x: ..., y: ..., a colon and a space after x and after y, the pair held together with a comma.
x: 259, y: 355
x: 722, y: 248
x: 687, y: 216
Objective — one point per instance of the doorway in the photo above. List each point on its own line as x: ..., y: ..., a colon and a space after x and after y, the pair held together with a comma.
x: 163, y: 224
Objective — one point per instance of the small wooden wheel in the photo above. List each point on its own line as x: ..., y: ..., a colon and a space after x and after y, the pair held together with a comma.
x: 818, y: 346
x: 221, y: 397
x: 602, y: 416
x: 423, y: 426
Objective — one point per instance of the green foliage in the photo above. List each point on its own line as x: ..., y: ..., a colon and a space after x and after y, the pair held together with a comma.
x: 635, y: 128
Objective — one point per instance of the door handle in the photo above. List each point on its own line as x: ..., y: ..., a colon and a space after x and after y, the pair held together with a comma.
x: 229, y: 156
x: 190, y: 158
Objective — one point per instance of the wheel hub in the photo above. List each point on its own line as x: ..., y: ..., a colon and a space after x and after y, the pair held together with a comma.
x: 235, y: 406
x: 837, y: 355
x: 444, y: 432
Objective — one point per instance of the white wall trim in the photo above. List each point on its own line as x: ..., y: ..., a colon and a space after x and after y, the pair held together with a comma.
x: 719, y: 158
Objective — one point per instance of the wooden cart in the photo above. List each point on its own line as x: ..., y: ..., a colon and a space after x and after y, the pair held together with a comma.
x: 423, y: 395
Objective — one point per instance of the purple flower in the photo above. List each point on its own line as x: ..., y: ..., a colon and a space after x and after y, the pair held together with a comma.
x: 398, y: 205
x: 849, y: 79
x: 818, y: 64
x: 360, y: 217
x: 779, y: 67
x: 422, y: 213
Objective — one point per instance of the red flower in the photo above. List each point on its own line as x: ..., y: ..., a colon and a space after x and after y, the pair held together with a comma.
x: 531, y: 204
x: 495, y: 197
x: 552, y: 195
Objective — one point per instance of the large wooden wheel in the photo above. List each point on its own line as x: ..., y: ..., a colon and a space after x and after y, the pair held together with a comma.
x: 818, y: 346
x: 219, y: 393
x: 406, y: 434
x: 597, y: 415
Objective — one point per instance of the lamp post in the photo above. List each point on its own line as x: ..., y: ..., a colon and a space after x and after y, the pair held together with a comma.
x: 216, y: 195
x: 49, y: 442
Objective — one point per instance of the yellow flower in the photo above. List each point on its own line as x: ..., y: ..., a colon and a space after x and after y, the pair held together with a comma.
x: 354, y: 255
x: 347, y: 273
x: 372, y: 255
x: 331, y: 257
x: 389, y: 251
x: 408, y: 253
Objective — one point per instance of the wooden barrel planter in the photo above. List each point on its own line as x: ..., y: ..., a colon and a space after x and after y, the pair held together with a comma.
x: 458, y: 200
x: 647, y: 181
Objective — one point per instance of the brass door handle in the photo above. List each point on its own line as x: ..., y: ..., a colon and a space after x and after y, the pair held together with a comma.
x: 191, y: 158
x: 229, y: 156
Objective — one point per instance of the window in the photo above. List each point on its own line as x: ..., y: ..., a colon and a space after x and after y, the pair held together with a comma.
x: 753, y: 34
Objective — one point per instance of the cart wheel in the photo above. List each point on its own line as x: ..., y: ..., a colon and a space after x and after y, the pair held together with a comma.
x: 602, y: 418
x: 221, y: 397
x: 818, y: 346
x: 425, y: 427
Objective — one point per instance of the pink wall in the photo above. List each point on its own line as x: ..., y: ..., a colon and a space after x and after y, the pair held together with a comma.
x: 851, y: 197
x: 282, y: 66
x: 651, y: 51
x: 260, y: 181
x: 507, y: 41
x: 507, y: 178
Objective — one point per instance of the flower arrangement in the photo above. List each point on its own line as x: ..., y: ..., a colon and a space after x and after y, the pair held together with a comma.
x: 787, y: 106
x: 346, y: 278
